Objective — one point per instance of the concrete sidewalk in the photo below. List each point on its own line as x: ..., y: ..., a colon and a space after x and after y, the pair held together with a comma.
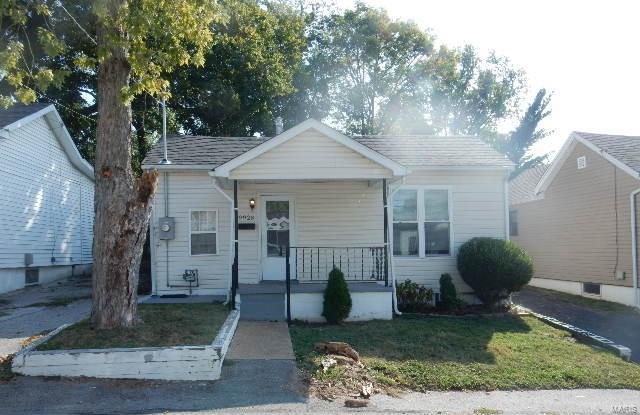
x: 261, y: 340
x: 249, y: 389
x: 25, y: 313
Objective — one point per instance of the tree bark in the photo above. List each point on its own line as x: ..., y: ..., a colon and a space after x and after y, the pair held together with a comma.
x: 122, y: 202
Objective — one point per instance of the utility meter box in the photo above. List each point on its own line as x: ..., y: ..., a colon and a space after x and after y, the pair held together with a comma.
x: 167, y: 228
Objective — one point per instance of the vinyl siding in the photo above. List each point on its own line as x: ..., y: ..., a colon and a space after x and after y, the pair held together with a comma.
x: 46, y: 203
x: 189, y: 191
x: 572, y: 233
x: 311, y: 155
x: 326, y: 214
x: 478, y: 209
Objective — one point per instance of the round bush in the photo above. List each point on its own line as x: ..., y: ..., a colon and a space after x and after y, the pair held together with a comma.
x: 337, y: 300
x: 494, y: 268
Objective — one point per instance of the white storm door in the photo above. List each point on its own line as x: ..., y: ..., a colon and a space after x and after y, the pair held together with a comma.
x: 276, y: 235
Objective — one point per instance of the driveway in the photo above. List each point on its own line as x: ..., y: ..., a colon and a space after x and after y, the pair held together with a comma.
x: 34, y: 310
x: 616, y: 322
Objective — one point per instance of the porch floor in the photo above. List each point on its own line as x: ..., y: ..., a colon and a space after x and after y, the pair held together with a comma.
x: 266, y: 300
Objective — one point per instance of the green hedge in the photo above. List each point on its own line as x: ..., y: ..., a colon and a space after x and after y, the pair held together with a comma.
x: 494, y: 268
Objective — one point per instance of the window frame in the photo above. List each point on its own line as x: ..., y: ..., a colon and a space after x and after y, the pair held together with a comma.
x: 217, y: 231
x: 420, y: 189
x: 416, y: 221
x: 514, y: 224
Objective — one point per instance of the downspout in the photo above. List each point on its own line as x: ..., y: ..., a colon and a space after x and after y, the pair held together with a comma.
x: 391, y: 265
x: 231, y: 230
x: 634, y: 246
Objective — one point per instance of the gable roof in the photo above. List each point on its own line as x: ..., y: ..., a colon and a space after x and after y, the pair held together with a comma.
x: 620, y: 150
x: 18, y: 112
x: 17, y: 116
x: 521, y: 187
x: 395, y: 167
x: 202, y: 152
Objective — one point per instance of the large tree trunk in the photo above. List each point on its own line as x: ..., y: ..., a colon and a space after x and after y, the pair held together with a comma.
x: 122, y: 203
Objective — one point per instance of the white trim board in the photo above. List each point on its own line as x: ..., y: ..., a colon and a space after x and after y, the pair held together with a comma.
x: 225, y: 169
x: 564, y: 153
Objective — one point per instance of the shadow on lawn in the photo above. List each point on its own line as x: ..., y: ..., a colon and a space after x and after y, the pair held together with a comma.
x: 414, y: 338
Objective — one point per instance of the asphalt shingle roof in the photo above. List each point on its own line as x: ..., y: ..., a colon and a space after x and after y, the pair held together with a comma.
x: 413, y: 151
x: 623, y: 147
x: 521, y: 188
x: 202, y: 150
x: 406, y: 150
x: 17, y: 112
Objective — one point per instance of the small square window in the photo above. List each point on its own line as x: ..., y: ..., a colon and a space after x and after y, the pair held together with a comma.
x: 582, y: 162
x: 591, y: 288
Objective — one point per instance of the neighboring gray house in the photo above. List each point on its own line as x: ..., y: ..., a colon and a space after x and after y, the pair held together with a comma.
x: 311, y: 197
x: 46, y: 199
x: 578, y: 217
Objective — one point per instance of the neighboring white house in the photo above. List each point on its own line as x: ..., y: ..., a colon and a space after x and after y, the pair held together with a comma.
x: 46, y: 199
x: 318, y: 195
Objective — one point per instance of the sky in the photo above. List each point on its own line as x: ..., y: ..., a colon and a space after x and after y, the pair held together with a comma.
x: 586, y: 52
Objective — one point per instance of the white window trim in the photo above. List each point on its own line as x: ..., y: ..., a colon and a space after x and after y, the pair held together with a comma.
x: 199, y: 232
x: 421, y: 221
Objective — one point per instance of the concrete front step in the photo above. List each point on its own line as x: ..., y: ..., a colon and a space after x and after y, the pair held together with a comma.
x: 262, y: 307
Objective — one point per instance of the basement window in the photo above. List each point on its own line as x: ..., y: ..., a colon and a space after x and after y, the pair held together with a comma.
x: 31, y: 276
x: 590, y: 288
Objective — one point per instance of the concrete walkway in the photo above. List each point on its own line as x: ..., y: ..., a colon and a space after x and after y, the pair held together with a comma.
x: 261, y: 340
x: 25, y: 313
x: 616, y: 322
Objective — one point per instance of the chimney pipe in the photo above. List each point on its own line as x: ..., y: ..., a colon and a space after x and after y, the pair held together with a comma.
x: 279, y: 125
x: 165, y: 159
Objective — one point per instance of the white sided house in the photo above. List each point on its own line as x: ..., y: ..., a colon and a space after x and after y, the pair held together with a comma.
x: 381, y: 208
x: 46, y: 199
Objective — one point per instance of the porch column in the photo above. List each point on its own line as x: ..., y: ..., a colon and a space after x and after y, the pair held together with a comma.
x: 234, y: 270
x: 386, y: 232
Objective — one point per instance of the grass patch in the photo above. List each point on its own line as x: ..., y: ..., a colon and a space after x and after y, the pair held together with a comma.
x: 162, y: 325
x: 593, y: 303
x: 471, y: 353
x: 59, y: 302
x: 5, y: 369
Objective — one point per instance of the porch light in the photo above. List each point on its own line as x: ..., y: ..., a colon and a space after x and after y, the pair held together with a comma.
x: 252, y: 203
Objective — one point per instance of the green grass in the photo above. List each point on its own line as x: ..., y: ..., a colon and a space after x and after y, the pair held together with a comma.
x: 471, y: 353
x: 59, y: 302
x: 162, y: 325
x: 601, y: 305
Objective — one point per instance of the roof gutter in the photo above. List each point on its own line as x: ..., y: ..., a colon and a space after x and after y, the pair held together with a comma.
x: 634, y: 247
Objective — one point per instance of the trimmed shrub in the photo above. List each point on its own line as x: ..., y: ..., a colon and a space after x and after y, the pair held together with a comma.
x: 448, y: 295
x: 413, y: 297
x: 337, y: 300
x: 494, y: 268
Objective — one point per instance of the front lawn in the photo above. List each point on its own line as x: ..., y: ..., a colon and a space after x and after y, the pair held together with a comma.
x: 162, y: 325
x: 470, y: 353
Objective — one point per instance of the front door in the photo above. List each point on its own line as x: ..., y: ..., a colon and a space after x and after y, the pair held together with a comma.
x: 276, y: 236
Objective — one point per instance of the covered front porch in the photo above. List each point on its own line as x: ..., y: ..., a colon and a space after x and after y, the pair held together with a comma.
x: 304, y: 202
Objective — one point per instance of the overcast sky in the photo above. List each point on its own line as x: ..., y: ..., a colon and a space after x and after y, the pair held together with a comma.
x: 586, y: 52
